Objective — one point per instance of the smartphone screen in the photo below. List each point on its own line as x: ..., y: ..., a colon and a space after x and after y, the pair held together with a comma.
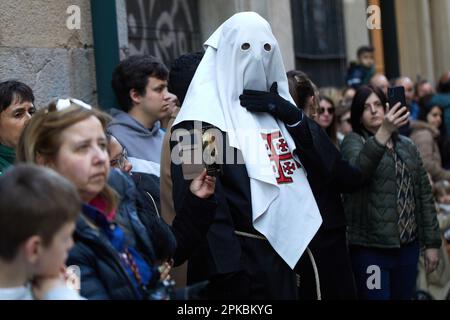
x: 199, y: 150
x: 396, y: 95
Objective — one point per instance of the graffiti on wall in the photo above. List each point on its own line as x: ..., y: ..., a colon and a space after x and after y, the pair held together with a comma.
x: 165, y: 29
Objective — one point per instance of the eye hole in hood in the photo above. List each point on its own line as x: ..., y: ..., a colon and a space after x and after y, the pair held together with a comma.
x: 245, y: 46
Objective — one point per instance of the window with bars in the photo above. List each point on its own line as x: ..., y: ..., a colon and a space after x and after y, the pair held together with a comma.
x: 319, y: 40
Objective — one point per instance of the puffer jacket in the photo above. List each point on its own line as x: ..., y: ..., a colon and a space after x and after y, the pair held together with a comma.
x: 371, y: 213
x: 103, y: 276
x: 128, y: 210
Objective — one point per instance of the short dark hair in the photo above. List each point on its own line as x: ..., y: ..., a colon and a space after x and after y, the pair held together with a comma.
x: 181, y: 73
x: 357, y: 108
x: 34, y: 200
x: 364, y: 49
x: 426, y: 104
x: 133, y: 73
x: 12, y: 92
x: 300, y: 87
x: 444, y: 83
x: 418, y: 84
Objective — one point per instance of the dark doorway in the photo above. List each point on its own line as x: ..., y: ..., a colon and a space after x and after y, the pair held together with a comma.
x: 389, y: 25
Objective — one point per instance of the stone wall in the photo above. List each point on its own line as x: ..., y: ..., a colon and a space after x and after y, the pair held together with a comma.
x: 36, y: 47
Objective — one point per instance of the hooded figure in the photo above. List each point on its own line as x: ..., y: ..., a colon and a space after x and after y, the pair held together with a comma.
x: 267, y: 213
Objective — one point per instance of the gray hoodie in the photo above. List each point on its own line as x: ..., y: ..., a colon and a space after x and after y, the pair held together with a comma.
x: 141, y: 143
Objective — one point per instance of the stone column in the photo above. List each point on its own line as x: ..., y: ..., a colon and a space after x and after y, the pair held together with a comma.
x: 440, y: 25
x: 122, y: 28
x: 414, y: 39
x: 279, y: 16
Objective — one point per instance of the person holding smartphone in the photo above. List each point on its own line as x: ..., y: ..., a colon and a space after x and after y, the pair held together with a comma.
x: 397, y: 95
x: 393, y: 215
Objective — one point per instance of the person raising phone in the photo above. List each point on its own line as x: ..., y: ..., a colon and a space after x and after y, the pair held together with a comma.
x: 397, y: 95
x: 393, y: 215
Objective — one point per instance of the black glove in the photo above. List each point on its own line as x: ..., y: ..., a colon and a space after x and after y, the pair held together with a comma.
x: 271, y: 102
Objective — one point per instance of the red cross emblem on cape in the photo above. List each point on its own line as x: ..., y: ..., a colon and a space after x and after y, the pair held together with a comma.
x: 283, y: 163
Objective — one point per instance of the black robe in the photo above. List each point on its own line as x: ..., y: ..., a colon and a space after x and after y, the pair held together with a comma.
x: 237, y: 267
x: 329, y: 175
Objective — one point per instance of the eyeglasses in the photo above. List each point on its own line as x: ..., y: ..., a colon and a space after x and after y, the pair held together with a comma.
x: 329, y: 110
x: 120, y: 161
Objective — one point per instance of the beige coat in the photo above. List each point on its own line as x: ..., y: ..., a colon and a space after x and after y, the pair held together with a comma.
x: 167, y: 207
x: 424, y: 138
x: 437, y: 283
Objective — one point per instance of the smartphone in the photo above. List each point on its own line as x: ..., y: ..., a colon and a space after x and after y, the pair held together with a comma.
x: 190, y: 153
x: 198, y: 151
x: 396, y: 95
x: 210, y: 151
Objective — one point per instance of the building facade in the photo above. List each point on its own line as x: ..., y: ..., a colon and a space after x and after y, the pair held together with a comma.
x: 318, y: 36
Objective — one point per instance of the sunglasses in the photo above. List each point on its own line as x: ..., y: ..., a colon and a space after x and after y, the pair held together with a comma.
x: 329, y: 110
x: 62, y: 104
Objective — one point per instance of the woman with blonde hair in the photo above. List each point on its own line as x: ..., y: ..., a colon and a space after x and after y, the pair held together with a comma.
x: 116, y: 260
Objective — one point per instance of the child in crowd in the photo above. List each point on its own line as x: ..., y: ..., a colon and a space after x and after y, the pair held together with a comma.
x: 36, y: 234
x: 442, y: 195
x: 360, y: 72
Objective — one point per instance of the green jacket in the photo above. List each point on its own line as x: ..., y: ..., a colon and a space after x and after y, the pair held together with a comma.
x: 7, y: 157
x: 371, y: 212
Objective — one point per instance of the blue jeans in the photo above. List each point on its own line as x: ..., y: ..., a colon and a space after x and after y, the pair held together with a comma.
x: 385, y: 274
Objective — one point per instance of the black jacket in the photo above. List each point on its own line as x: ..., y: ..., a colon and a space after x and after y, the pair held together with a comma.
x: 329, y: 176
x: 102, y: 274
x: 141, y: 199
x: 140, y: 194
x: 328, y: 173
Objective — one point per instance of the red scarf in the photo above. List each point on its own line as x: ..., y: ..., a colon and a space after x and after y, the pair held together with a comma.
x: 101, y: 204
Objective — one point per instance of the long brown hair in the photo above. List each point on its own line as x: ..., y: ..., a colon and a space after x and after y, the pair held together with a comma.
x: 332, y: 128
x: 41, y: 137
x: 301, y: 89
x: 358, y: 102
